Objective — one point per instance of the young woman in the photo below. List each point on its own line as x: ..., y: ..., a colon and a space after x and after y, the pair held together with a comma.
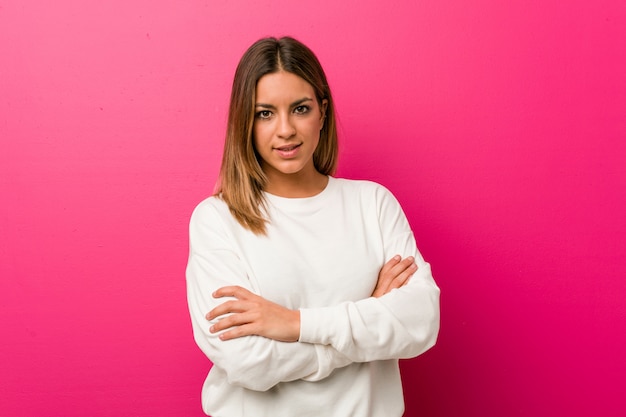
x: 304, y: 290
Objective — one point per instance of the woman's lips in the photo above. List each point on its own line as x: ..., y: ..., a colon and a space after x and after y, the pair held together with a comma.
x: 288, y: 151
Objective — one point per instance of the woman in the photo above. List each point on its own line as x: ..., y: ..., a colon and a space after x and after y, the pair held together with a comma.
x: 304, y: 290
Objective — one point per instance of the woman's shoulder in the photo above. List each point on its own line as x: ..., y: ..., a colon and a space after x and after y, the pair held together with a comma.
x: 210, y: 207
x: 361, y: 186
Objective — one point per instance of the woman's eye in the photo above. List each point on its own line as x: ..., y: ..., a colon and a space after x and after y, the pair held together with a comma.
x: 264, y: 114
x: 301, y: 109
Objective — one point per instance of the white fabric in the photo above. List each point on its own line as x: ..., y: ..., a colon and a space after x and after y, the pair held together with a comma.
x: 321, y: 255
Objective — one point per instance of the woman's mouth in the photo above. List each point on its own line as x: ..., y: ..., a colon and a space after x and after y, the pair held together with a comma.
x: 288, y: 151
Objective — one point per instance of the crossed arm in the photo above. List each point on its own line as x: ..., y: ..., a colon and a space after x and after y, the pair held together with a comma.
x: 250, y: 314
x: 399, y: 320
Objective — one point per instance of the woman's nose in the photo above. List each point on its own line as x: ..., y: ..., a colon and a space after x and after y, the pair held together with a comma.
x: 285, y: 129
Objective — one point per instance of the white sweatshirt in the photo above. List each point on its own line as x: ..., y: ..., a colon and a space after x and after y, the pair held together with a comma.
x: 321, y: 255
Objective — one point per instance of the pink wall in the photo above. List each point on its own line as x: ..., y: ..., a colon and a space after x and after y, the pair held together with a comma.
x: 500, y: 126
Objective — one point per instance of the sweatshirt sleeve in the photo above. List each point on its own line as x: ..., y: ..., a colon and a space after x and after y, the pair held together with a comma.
x: 401, y: 324
x: 252, y: 362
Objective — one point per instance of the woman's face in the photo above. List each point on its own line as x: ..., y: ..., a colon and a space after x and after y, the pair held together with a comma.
x: 287, y: 125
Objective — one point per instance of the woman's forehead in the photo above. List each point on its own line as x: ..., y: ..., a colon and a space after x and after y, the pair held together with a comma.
x: 282, y: 86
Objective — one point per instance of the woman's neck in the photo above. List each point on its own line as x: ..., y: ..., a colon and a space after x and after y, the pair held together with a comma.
x: 296, y: 186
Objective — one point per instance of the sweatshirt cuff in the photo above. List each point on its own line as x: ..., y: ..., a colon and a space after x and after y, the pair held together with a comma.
x: 316, y: 325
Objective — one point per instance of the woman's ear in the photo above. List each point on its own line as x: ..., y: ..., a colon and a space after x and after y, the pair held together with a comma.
x: 323, y: 107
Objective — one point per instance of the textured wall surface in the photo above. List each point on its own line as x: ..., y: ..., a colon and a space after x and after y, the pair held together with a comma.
x: 500, y: 126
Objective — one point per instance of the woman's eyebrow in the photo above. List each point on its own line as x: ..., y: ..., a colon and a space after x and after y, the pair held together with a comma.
x: 302, y: 100
x: 294, y: 104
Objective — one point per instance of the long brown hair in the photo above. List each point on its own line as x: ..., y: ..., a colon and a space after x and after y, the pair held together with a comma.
x: 241, y: 180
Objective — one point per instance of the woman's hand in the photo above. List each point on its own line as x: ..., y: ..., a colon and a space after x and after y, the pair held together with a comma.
x: 394, y: 274
x: 251, y: 314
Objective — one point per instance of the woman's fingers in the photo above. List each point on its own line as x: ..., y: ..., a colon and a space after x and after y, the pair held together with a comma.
x: 250, y: 314
x: 390, y: 264
x: 233, y: 320
x: 234, y: 306
x: 233, y: 314
x: 385, y: 275
x: 394, y: 274
x: 239, y: 331
x: 228, y: 307
x: 233, y: 291
x: 402, y: 272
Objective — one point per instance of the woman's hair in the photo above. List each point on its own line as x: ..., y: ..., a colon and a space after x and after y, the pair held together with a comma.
x: 241, y: 180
